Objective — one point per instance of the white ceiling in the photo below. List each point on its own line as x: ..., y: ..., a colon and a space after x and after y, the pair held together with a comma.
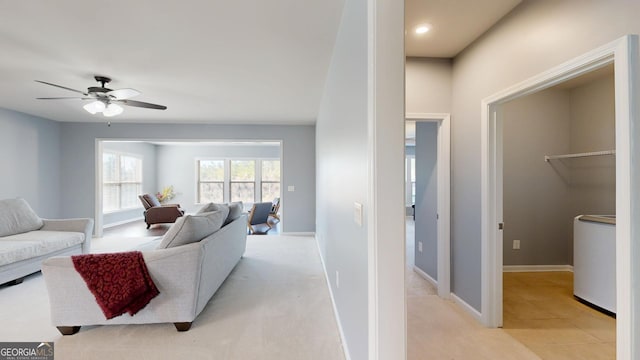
x: 231, y: 62
x: 246, y: 61
x: 454, y: 24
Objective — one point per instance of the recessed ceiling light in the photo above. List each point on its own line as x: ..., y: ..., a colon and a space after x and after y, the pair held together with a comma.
x: 421, y: 29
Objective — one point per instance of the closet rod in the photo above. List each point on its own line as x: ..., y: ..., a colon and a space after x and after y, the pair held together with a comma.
x: 567, y: 156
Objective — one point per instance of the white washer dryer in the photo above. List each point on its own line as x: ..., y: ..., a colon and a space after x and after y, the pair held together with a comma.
x: 594, y: 260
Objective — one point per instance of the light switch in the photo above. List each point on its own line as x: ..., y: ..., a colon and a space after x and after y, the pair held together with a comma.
x: 357, y: 213
x: 291, y: 188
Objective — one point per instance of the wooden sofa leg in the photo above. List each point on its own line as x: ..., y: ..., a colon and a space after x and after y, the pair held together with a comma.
x: 182, y: 326
x: 148, y: 226
x: 68, y: 330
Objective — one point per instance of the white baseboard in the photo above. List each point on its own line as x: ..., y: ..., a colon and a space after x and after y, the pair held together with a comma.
x: 106, y: 226
x: 536, y: 268
x: 425, y: 276
x: 293, y: 233
x: 466, y: 307
x: 343, y: 340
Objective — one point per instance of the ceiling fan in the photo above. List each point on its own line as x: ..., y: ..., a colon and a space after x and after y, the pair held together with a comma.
x: 105, y: 100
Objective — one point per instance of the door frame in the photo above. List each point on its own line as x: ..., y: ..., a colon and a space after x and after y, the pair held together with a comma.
x: 623, y: 53
x: 444, y: 196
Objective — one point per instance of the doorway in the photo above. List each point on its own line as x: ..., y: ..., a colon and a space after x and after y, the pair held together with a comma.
x: 623, y: 54
x: 558, y: 164
x: 194, y: 172
x: 433, y: 266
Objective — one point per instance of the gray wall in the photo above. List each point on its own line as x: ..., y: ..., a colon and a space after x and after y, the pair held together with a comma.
x: 149, y: 175
x: 30, y: 161
x: 78, y: 160
x: 426, y: 224
x: 342, y: 176
x: 182, y: 172
x: 593, y: 180
x: 428, y: 85
x: 536, y: 36
x: 536, y: 193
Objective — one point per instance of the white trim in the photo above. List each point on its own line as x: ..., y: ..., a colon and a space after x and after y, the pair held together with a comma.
x: 98, y: 221
x: 444, y: 196
x: 117, y: 223
x: 300, y: 233
x: 425, y: 276
x: 343, y: 339
x: 624, y: 54
x: 384, y: 210
x: 536, y: 268
x: 466, y: 307
x: 627, y: 101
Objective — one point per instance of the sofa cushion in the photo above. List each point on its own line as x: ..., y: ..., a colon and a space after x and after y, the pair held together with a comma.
x: 150, y: 245
x: 36, y: 243
x: 213, y: 207
x: 235, y: 211
x: 16, y: 216
x: 193, y: 228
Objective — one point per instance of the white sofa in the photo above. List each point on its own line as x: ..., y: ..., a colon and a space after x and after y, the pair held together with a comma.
x: 26, y: 239
x: 187, y: 276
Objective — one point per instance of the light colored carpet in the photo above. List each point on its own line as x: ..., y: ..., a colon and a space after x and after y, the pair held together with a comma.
x: 274, y: 305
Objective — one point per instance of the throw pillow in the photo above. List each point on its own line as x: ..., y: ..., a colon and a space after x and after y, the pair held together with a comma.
x: 235, y: 211
x: 17, y: 217
x: 213, y: 207
x: 192, y: 228
x: 151, y: 200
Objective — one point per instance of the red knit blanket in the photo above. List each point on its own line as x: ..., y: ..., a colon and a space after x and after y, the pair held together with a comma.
x: 119, y: 281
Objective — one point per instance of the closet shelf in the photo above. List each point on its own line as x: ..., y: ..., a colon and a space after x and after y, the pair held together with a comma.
x: 586, y: 154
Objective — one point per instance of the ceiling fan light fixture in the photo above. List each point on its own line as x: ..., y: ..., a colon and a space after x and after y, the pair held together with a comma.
x: 103, y: 99
x: 95, y: 107
x: 112, y: 110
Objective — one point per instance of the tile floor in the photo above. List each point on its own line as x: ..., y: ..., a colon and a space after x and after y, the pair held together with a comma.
x: 540, y: 312
x: 438, y: 329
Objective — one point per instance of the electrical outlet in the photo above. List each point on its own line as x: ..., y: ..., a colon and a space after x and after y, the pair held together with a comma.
x: 337, y: 279
x: 291, y: 188
x: 419, y: 246
x: 516, y: 244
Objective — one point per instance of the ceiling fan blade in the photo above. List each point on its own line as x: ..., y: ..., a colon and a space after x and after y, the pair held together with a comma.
x: 62, y: 87
x: 140, y: 104
x: 122, y: 94
x: 64, y: 98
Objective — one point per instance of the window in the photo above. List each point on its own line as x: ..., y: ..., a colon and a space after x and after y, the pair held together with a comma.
x: 270, y: 184
x: 413, y: 180
x: 121, y: 181
x: 210, y: 181
x: 243, y: 180
x: 410, y: 180
x: 246, y: 180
